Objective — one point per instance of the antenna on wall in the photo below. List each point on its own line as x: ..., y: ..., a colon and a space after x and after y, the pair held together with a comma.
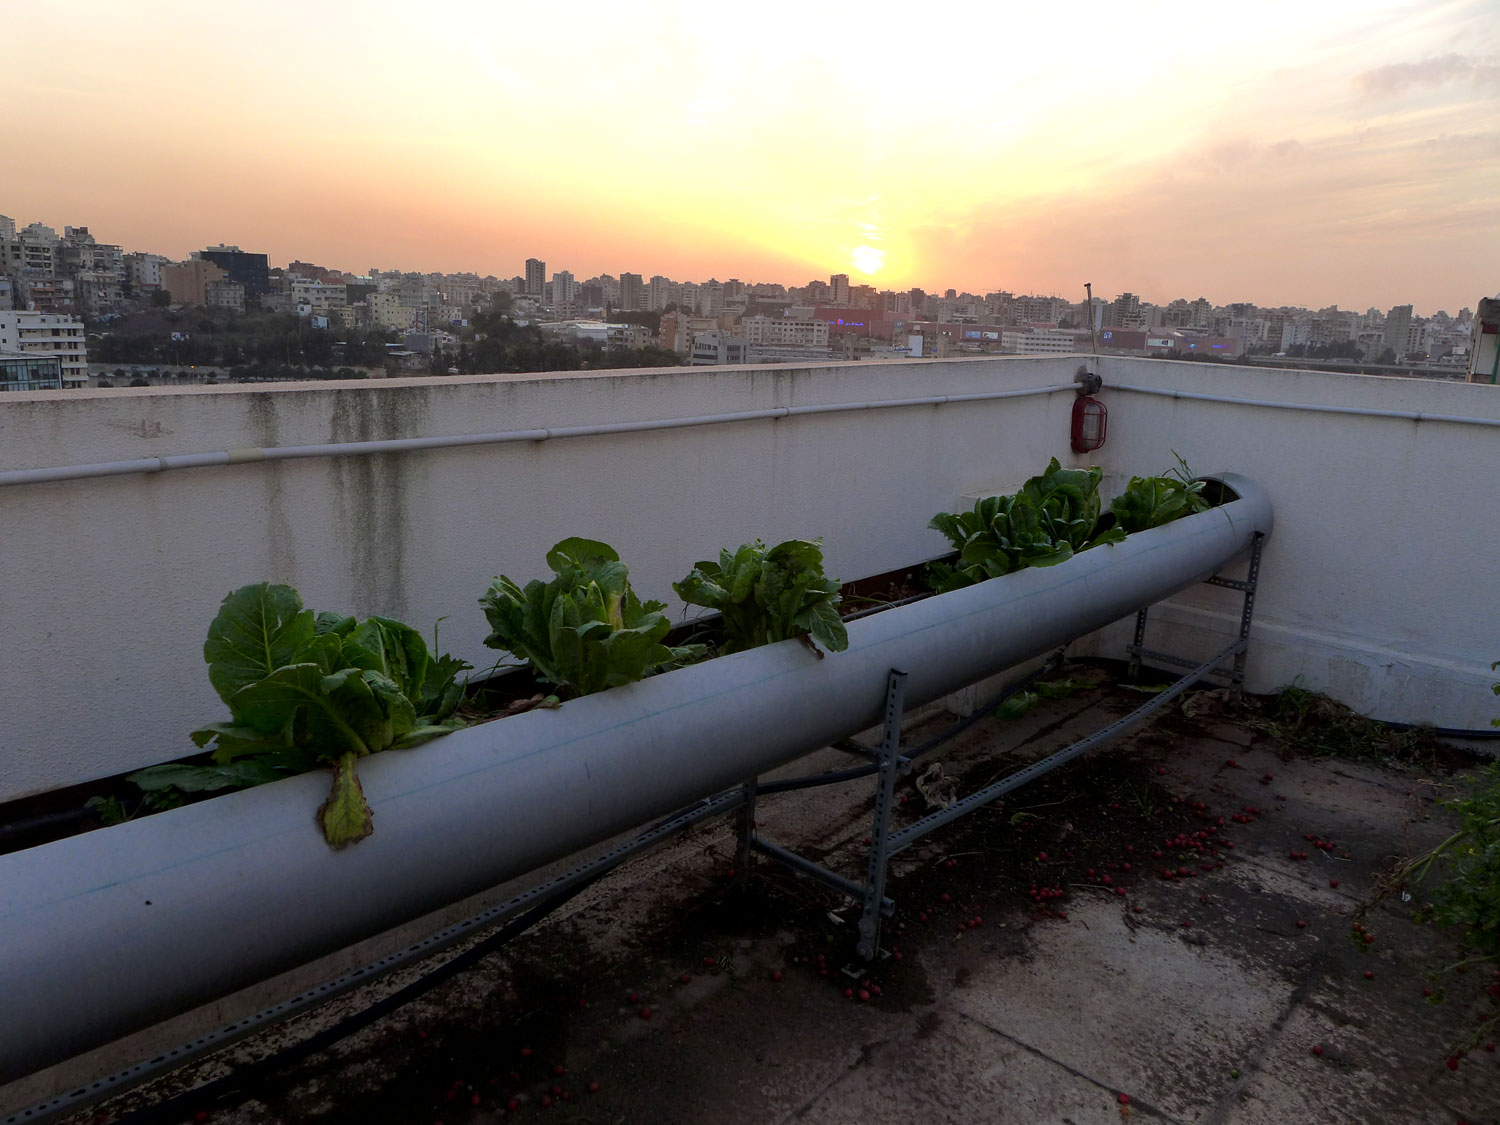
x: 1088, y: 288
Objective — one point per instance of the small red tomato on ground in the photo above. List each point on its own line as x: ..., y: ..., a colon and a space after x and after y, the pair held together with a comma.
x: 1160, y: 772
x: 1452, y: 1062
x: 1369, y: 974
x: 556, y: 1090
x: 685, y: 978
x: 1041, y: 856
x: 709, y: 961
x: 475, y: 1099
x: 945, y: 897
x: 1318, y: 1050
x: 645, y: 1013
x: 1426, y: 992
x: 1490, y: 1046
x: 848, y: 994
x: 1063, y: 914
x: 526, y: 1051
x: 864, y: 993
x: 559, y: 1069
x: 1333, y: 883
x: 633, y: 998
x: 1124, y: 1099
x: 776, y: 974
x: 513, y: 1105
x: 1186, y: 925
x: 1120, y: 891
x: 1301, y: 925
x: 1369, y: 938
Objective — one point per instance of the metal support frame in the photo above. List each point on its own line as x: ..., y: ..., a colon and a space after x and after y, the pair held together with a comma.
x: 887, y: 761
x: 1139, y: 653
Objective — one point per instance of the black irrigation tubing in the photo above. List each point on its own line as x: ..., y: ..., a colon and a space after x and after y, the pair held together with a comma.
x: 813, y: 781
x: 183, y: 1105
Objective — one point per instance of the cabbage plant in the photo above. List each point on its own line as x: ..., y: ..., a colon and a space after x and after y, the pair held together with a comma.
x: 304, y: 692
x: 771, y: 595
x: 585, y: 630
x: 1052, y: 518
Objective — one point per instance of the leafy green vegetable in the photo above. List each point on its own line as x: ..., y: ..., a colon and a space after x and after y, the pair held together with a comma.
x: 1017, y: 705
x: 305, y: 691
x: 585, y: 630
x: 771, y: 595
x: 1054, y: 516
x: 1152, y: 501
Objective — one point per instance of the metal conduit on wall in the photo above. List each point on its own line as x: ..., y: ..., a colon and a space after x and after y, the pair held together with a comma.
x: 1307, y: 407
x: 108, y: 932
x: 139, y: 465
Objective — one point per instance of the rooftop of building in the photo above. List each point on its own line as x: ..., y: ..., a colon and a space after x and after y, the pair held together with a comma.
x: 130, y: 511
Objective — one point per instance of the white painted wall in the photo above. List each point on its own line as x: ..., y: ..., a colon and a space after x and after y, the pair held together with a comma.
x: 107, y: 586
x: 1378, y: 584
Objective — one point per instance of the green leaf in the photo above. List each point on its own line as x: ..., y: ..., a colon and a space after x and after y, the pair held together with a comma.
x: 344, y: 817
x: 203, y: 779
x: 258, y: 629
x: 1016, y: 706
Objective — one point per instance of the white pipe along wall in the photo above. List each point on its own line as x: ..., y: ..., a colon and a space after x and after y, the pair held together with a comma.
x: 109, y: 931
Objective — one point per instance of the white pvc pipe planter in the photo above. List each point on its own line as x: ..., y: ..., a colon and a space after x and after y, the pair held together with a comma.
x: 105, y: 933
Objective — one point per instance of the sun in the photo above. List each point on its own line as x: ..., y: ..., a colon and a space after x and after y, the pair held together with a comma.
x: 867, y: 259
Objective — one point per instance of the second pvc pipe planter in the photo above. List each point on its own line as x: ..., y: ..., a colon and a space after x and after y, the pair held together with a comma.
x: 108, y: 932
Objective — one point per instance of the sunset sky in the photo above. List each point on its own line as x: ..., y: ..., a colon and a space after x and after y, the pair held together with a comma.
x: 1306, y: 152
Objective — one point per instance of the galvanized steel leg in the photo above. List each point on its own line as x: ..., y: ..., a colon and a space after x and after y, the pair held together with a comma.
x: 1134, y: 670
x: 744, y: 821
x: 889, y: 762
x: 1237, y: 689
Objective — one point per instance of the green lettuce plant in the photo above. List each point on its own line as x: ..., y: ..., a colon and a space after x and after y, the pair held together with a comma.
x: 304, y: 692
x: 585, y: 630
x: 1052, y: 518
x: 1149, y: 502
x: 771, y: 595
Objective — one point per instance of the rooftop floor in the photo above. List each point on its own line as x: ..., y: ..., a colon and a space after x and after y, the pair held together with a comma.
x: 1200, y: 997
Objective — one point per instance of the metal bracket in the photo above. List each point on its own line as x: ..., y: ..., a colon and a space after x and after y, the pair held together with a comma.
x: 889, y: 766
x: 1236, y: 675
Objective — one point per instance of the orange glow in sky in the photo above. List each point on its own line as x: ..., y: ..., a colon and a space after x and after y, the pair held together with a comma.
x: 1341, y: 151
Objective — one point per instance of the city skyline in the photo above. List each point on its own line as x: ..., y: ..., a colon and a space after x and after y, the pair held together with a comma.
x: 1345, y: 160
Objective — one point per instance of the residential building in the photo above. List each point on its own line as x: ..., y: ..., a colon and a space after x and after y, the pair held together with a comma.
x: 38, y: 334
x: 629, y: 336
x: 711, y: 349
x: 632, y: 292
x: 7, y: 227
x: 249, y: 270
x: 1124, y: 312
x: 387, y: 311
x: 1398, y: 330
x: 564, y: 288
x: 536, y: 277
x: 1034, y: 310
x: 1036, y: 341
x: 839, y: 284
x: 30, y: 373
x: 46, y: 293
x: 144, y: 271
x: 224, y: 295
x: 187, y: 282
x: 659, y: 292
x: 763, y: 330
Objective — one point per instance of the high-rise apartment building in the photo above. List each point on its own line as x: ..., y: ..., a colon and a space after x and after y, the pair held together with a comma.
x: 536, y: 277
x: 564, y: 288
x: 1398, y: 330
x: 37, y: 334
x: 658, y: 292
x: 7, y: 227
x: 838, y: 284
x: 632, y: 292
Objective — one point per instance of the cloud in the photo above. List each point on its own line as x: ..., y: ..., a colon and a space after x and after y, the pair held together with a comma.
x: 1387, y: 81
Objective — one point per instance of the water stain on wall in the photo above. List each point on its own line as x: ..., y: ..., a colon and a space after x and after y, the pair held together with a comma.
x: 281, y: 542
x: 372, y: 492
